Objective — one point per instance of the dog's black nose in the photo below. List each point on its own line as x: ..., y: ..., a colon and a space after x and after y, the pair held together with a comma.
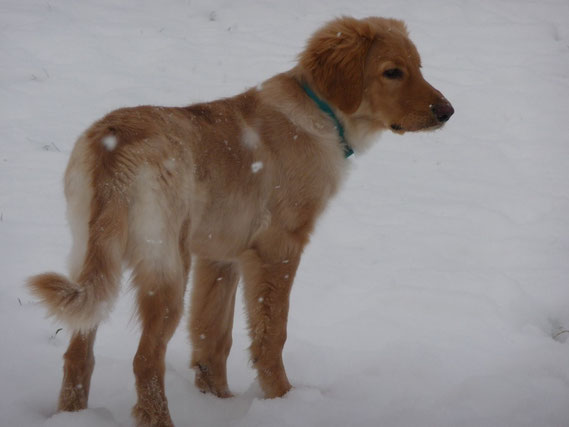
x: 442, y: 111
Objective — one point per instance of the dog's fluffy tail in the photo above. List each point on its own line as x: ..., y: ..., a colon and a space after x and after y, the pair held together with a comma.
x: 79, y: 306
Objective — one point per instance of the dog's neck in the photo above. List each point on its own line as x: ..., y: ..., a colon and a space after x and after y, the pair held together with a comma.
x: 325, y: 107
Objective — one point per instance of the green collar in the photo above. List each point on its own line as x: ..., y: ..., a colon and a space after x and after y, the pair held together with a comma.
x: 323, y: 105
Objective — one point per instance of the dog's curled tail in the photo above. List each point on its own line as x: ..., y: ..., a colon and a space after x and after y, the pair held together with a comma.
x: 81, y: 306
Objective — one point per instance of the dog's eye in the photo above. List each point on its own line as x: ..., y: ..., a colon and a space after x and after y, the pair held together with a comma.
x: 393, y: 73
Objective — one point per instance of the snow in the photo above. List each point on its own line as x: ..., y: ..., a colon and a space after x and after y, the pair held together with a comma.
x: 250, y: 138
x: 256, y: 166
x: 435, y: 288
x: 110, y: 142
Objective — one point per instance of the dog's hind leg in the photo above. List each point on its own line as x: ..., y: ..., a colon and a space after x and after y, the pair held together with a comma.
x: 87, y: 297
x: 160, y: 306
x: 77, y: 371
x: 84, y: 299
x: 211, y: 322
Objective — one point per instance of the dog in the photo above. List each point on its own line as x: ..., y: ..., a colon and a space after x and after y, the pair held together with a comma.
x: 234, y: 186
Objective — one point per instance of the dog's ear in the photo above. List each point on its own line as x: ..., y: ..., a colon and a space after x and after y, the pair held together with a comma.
x: 335, y: 59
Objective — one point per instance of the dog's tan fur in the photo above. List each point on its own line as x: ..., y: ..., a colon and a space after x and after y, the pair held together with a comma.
x: 238, y: 184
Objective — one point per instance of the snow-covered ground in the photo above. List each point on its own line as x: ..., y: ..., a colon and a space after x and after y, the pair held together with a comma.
x: 435, y: 291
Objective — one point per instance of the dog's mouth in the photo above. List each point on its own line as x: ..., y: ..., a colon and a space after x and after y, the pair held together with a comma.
x: 399, y: 129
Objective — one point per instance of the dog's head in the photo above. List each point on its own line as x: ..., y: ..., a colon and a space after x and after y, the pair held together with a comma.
x: 370, y: 70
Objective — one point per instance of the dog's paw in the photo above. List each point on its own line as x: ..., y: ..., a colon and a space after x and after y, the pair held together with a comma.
x: 143, y: 418
x: 206, y: 382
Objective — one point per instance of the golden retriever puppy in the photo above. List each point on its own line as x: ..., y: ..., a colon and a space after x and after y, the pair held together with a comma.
x: 236, y: 185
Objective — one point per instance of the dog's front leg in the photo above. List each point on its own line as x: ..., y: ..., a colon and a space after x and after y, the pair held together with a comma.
x: 268, y: 279
x: 211, y: 322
